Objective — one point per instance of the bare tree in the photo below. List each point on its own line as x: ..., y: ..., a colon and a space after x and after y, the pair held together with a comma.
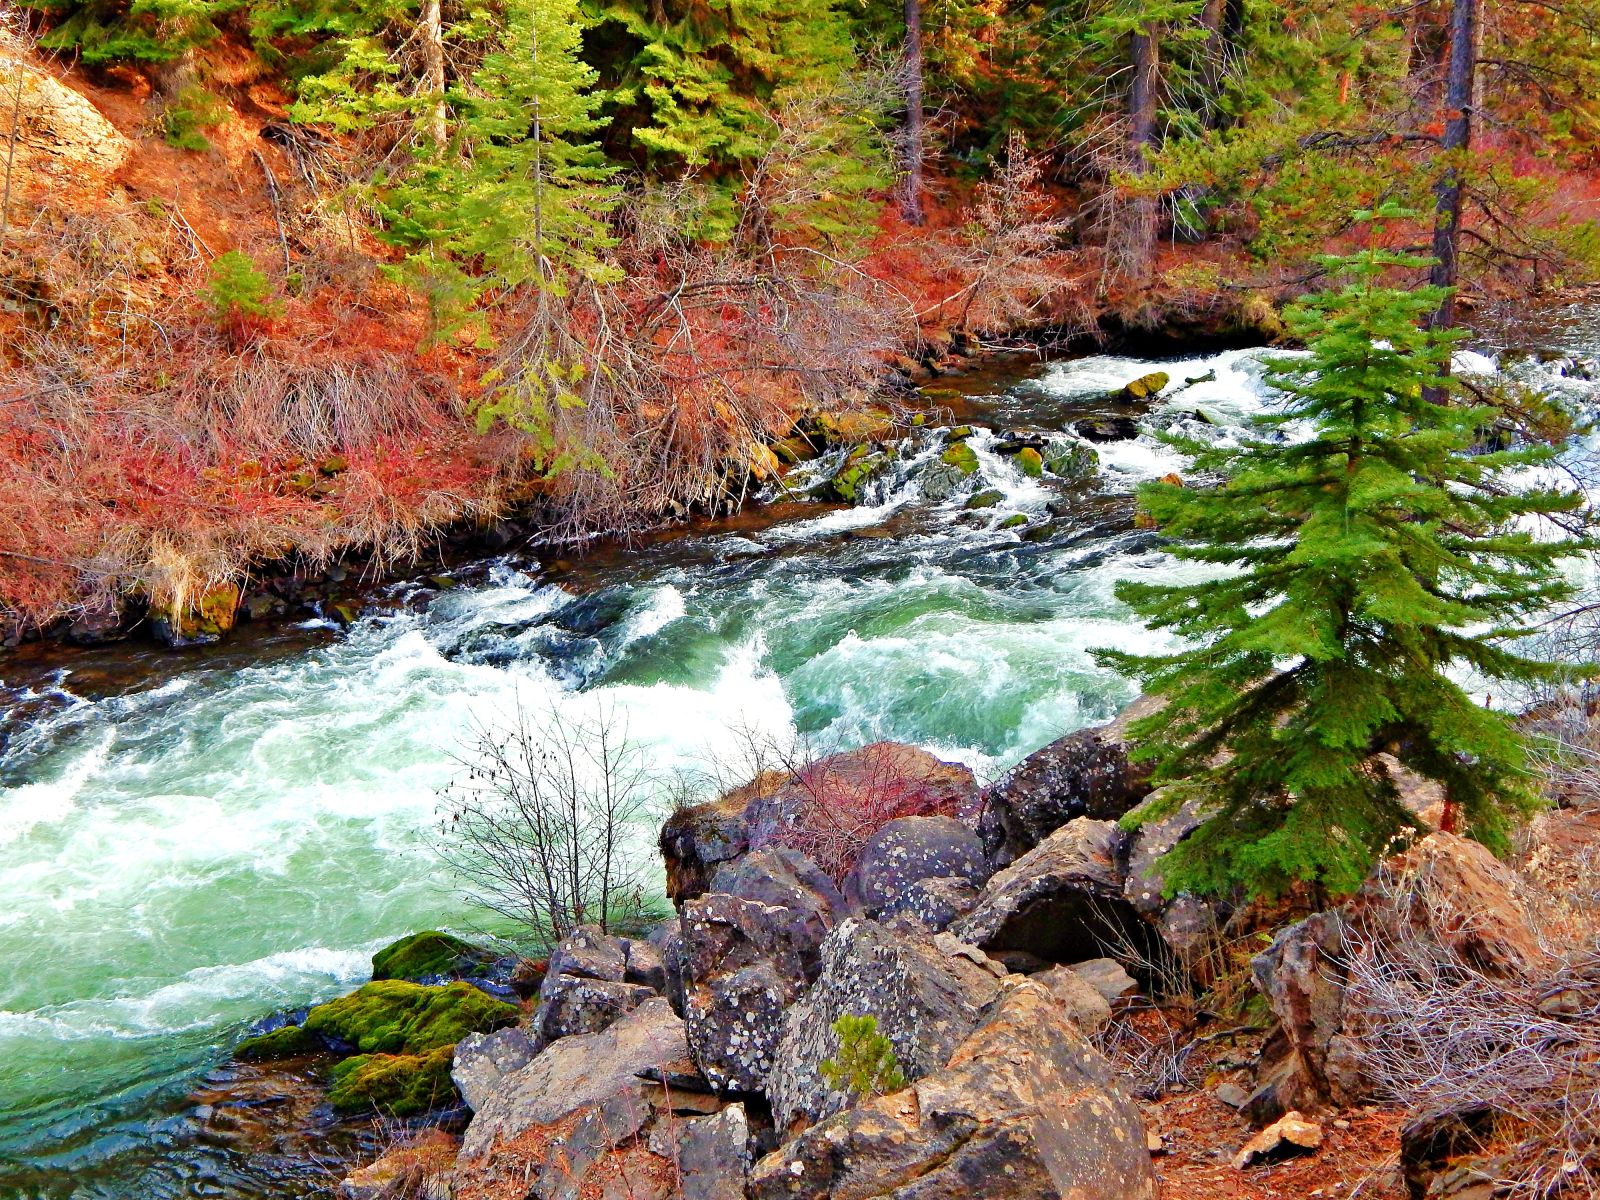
x: 538, y: 826
x: 912, y: 201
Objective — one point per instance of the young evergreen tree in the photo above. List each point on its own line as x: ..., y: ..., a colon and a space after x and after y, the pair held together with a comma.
x: 147, y: 31
x: 521, y: 195
x: 1369, y: 562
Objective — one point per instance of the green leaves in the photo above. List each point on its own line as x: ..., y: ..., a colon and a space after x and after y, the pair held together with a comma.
x: 1373, y: 562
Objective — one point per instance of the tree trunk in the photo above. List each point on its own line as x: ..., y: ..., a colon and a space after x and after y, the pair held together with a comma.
x: 911, y: 206
x: 1146, y: 60
x: 1460, y: 74
x: 433, y: 76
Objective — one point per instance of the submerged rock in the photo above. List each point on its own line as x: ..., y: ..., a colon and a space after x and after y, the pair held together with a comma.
x: 1107, y: 429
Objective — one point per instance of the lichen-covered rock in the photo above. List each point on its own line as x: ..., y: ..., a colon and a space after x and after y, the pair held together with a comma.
x: 395, y: 1017
x: 934, y: 904
x: 785, y: 878
x: 696, y: 840
x: 1085, y: 774
x: 1025, y: 1110
x: 482, y: 1060
x: 428, y: 955
x: 571, y: 1004
x: 589, y: 1071
x: 1062, y: 901
x: 908, y: 850
x: 744, y: 963
x: 927, y: 994
x: 711, y: 1153
x: 587, y: 953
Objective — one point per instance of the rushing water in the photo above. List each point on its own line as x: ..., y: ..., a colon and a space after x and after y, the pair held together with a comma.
x: 237, y: 830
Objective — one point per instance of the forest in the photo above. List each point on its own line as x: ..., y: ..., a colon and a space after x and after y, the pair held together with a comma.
x: 374, y: 271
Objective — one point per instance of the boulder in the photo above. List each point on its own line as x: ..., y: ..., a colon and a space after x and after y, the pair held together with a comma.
x: 907, y: 851
x: 1084, y: 1005
x: 926, y: 994
x: 696, y: 840
x: 1188, y: 925
x: 61, y: 135
x: 1106, y: 429
x: 783, y: 878
x: 1437, y: 1147
x: 571, y: 1004
x: 598, y: 1072
x: 1072, y: 462
x: 934, y: 904
x: 1289, y: 1135
x: 1025, y: 1108
x: 482, y: 1060
x: 1085, y: 774
x: 429, y: 956
x: 587, y: 953
x: 1143, y: 388
x: 1106, y: 976
x: 743, y: 964
x: 711, y: 1153
x: 1445, y: 890
x: 647, y: 964
x: 1062, y: 901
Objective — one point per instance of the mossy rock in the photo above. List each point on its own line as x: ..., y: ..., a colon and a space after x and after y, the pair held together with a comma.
x: 792, y: 450
x: 859, y: 469
x: 962, y: 457
x: 427, y: 954
x: 837, y: 429
x: 1030, y: 462
x: 959, y: 434
x: 986, y: 499
x: 1074, y: 462
x: 1014, y: 521
x: 396, y: 1085
x: 392, y: 1016
x: 1143, y: 387
x: 291, y: 1041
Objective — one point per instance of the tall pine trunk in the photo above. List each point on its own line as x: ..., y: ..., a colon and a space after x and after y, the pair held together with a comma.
x: 1133, y: 236
x: 433, y: 71
x: 911, y: 205
x: 1459, y: 85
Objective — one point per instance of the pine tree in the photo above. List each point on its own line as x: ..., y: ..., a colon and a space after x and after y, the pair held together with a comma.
x: 521, y: 194
x: 148, y: 31
x: 1366, y: 566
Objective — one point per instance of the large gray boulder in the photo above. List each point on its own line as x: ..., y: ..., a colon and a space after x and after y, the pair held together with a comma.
x: 569, y: 1004
x: 1025, y: 1110
x: 482, y: 1060
x: 743, y: 962
x: 927, y: 993
x: 588, y: 1073
x: 1063, y: 902
x: 907, y: 851
x: 1085, y: 774
x: 711, y: 1154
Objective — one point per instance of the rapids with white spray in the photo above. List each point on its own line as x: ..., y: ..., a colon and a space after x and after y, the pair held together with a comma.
x: 180, y: 859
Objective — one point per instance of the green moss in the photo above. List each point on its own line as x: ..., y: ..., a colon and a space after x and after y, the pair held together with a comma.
x: 397, y: 1085
x: 1144, y: 387
x: 427, y: 953
x: 859, y: 468
x: 962, y: 457
x: 289, y: 1042
x: 986, y: 499
x: 394, y: 1017
x: 1030, y: 462
x: 1013, y: 521
x: 1074, y: 462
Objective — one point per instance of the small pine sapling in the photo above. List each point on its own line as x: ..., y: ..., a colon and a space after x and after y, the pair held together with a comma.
x: 866, y: 1065
x: 239, y: 294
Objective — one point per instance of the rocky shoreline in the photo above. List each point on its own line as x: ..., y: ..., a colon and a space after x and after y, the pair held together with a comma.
x: 996, y: 937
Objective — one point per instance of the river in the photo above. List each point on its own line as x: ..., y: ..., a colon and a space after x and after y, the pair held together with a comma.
x: 190, y: 841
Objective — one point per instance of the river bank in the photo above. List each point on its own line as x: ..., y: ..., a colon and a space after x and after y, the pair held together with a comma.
x: 210, y: 836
